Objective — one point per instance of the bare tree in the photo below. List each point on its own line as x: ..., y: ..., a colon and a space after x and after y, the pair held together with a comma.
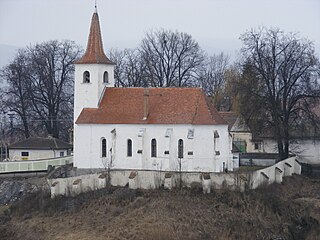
x: 135, y: 69
x: 14, y: 94
x: 287, y: 72
x: 171, y: 58
x: 118, y: 57
x: 39, y: 86
x: 212, y: 78
x: 130, y: 70
x: 51, y: 85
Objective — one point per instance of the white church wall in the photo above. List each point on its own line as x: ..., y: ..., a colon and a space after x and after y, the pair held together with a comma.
x: 87, y: 95
x: 88, y: 149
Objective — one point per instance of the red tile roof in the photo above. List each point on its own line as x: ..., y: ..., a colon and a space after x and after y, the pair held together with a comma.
x: 165, y: 106
x: 94, y: 52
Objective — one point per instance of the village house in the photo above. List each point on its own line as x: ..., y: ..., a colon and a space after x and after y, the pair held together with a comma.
x: 263, y: 149
x: 241, y: 134
x: 36, y: 148
x: 168, y: 129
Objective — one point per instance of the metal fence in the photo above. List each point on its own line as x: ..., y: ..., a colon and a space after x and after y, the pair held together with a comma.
x: 33, y: 165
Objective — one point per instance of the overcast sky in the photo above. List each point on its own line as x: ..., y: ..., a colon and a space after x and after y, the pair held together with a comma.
x: 215, y: 24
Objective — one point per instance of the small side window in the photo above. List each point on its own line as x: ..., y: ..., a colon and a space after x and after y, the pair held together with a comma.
x: 106, y: 77
x: 24, y: 154
x: 86, y: 77
x: 61, y: 154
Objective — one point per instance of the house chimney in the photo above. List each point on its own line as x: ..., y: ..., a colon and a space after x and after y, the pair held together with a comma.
x: 145, y: 104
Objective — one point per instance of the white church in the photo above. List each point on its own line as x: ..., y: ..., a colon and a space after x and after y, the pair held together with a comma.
x: 168, y: 129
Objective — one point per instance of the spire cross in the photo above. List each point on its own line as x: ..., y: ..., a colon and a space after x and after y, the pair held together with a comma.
x: 95, y: 5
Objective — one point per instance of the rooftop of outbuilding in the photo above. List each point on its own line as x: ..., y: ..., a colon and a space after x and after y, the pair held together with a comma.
x: 41, y: 143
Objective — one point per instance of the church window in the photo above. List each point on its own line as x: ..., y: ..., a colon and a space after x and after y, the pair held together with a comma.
x: 129, y: 148
x: 105, y: 77
x: 154, y: 148
x: 180, y: 148
x: 86, y: 77
x: 103, y: 147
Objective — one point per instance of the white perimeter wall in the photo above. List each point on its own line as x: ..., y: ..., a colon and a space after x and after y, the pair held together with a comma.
x: 154, y: 179
x: 87, y: 147
x: 308, y: 151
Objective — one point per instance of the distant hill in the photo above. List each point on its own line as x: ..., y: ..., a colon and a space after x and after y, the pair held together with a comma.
x: 7, y: 53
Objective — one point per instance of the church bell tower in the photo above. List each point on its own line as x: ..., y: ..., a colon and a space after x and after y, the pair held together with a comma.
x: 93, y: 71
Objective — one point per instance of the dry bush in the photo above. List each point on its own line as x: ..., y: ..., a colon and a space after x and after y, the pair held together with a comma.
x: 196, y: 187
x: 116, y: 211
x: 161, y: 233
x: 123, y: 196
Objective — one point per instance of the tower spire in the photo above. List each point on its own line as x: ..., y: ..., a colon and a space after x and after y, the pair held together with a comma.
x: 94, y: 52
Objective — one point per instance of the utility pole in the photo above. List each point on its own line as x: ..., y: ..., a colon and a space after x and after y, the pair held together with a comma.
x: 3, y: 147
x: 11, y: 117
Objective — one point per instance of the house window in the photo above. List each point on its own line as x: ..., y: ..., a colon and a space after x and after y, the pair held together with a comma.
x: 61, y: 154
x: 86, y: 77
x: 129, y: 148
x: 180, y: 148
x: 24, y: 154
x: 257, y: 146
x: 105, y: 77
x: 153, y: 148
x: 103, y: 147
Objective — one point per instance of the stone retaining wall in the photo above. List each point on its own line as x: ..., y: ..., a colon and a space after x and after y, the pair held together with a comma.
x: 155, y: 179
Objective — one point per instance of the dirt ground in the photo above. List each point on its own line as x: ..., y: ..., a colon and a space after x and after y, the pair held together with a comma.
x: 285, y: 211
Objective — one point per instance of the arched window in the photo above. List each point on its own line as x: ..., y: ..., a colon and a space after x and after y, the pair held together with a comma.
x: 103, y: 147
x: 86, y: 77
x: 180, y: 148
x: 129, y: 148
x: 154, y: 148
x: 106, y: 77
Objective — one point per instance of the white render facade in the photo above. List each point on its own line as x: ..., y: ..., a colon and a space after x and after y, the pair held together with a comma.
x: 202, y: 153
x: 36, y: 154
x: 88, y: 94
